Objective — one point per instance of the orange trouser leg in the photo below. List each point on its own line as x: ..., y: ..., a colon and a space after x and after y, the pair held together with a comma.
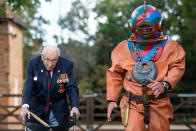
x: 135, y: 122
x: 158, y: 122
x: 159, y: 118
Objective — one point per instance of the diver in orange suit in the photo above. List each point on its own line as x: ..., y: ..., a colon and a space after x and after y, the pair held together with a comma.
x: 147, y: 66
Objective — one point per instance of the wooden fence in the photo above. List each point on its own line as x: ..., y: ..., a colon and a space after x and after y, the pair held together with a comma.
x: 93, y: 108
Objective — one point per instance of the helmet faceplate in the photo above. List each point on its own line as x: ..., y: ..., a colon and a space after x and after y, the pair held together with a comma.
x: 146, y: 25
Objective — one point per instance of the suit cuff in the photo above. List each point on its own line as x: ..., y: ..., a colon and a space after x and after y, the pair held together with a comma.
x: 25, y: 105
x: 110, y: 101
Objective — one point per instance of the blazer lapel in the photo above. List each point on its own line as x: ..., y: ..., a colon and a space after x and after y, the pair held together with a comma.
x: 42, y: 71
x: 56, y: 73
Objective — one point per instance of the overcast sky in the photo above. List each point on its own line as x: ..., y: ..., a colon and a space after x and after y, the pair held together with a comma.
x: 51, y: 11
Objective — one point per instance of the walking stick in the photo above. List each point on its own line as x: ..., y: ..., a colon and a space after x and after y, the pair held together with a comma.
x: 40, y: 120
x: 74, y: 119
x: 58, y: 128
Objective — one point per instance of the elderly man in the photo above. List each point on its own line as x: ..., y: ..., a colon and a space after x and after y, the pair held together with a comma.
x: 49, y: 80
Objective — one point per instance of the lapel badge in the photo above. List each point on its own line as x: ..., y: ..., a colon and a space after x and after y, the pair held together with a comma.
x: 61, y: 88
x: 35, y: 77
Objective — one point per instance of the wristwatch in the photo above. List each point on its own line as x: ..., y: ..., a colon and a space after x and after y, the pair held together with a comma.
x: 166, y: 85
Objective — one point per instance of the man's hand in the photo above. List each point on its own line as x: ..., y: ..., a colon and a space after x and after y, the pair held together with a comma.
x: 75, y: 110
x: 23, y: 113
x: 157, y: 87
x: 111, y: 106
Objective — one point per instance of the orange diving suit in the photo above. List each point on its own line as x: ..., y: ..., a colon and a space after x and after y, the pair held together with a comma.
x: 169, y: 60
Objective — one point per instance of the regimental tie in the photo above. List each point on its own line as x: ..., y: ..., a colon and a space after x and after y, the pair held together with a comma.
x: 48, y: 96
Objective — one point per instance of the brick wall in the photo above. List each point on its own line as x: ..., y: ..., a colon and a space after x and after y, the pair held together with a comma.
x: 11, y: 67
x: 4, y: 68
x: 15, y: 77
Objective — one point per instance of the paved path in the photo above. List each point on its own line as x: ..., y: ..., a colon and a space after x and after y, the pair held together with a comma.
x: 120, y: 127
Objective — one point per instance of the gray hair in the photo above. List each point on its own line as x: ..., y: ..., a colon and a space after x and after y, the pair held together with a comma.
x: 50, y: 47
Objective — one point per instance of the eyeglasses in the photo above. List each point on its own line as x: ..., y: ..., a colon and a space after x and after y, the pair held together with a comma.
x: 48, y: 60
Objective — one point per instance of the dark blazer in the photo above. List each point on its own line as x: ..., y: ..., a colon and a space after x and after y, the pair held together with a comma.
x: 35, y: 90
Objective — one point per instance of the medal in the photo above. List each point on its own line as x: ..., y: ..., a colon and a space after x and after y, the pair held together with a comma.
x: 61, y: 88
x: 63, y: 78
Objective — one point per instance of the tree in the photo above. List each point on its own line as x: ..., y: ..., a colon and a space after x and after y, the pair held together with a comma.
x: 79, y: 51
x: 112, y: 27
x: 182, y: 21
x: 27, y: 11
x: 83, y: 58
x: 115, y: 30
x: 76, y: 20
